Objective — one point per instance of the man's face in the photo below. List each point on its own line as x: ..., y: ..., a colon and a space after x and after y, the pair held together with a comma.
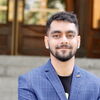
x: 62, y: 40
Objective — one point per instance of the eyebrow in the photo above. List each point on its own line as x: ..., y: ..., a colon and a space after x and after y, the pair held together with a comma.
x: 56, y: 31
x: 70, y: 31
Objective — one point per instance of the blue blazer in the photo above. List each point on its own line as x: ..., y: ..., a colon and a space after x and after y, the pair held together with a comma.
x: 42, y: 83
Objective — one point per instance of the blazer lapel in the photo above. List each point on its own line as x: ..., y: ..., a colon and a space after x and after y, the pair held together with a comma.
x: 55, y: 81
x: 76, y: 84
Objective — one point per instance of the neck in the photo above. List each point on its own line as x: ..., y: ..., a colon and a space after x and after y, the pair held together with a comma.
x: 63, y: 68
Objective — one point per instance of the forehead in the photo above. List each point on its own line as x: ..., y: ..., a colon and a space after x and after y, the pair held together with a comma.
x: 63, y: 26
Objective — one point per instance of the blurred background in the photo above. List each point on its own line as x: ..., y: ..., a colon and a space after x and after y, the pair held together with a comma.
x: 22, y: 28
x: 22, y: 25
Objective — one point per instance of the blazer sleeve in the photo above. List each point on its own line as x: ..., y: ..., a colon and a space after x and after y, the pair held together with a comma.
x: 99, y: 90
x: 99, y: 95
x: 24, y: 90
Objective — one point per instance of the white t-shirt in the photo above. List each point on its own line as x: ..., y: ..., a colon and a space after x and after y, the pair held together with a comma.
x: 67, y: 95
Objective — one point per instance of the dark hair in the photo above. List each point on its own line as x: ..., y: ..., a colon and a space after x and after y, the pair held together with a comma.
x: 62, y: 16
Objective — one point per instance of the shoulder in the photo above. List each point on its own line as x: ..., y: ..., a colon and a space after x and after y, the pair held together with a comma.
x: 32, y: 77
x: 34, y: 73
x: 37, y: 72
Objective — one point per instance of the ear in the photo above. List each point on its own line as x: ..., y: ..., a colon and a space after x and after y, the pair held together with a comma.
x: 78, y: 41
x: 46, y: 42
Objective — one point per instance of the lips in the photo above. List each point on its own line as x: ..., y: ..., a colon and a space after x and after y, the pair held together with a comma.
x: 63, y: 48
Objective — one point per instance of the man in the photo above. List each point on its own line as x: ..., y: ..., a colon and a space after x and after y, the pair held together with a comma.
x: 60, y: 78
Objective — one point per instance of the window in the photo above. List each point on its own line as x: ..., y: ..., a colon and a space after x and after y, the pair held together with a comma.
x: 96, y: 14
x: 3, y: 11
x: 37, y: 11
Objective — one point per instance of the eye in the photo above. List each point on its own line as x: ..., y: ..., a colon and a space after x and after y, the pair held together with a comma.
x: 56, y: 36
x: 70, y: 36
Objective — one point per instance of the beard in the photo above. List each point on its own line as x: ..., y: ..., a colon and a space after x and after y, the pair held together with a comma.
x: 63, y: 55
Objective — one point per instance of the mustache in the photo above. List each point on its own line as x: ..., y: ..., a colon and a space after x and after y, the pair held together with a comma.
x: 63, y: 46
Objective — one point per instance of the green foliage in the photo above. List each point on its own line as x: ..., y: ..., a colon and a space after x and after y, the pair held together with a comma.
x: 3, y: 2
x: 3, y: 13
x: 35, y: 17
x: 52, y: 3
x: 2, y: 17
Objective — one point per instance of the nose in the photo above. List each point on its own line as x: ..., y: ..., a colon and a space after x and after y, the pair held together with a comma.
x: 64, y: 40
